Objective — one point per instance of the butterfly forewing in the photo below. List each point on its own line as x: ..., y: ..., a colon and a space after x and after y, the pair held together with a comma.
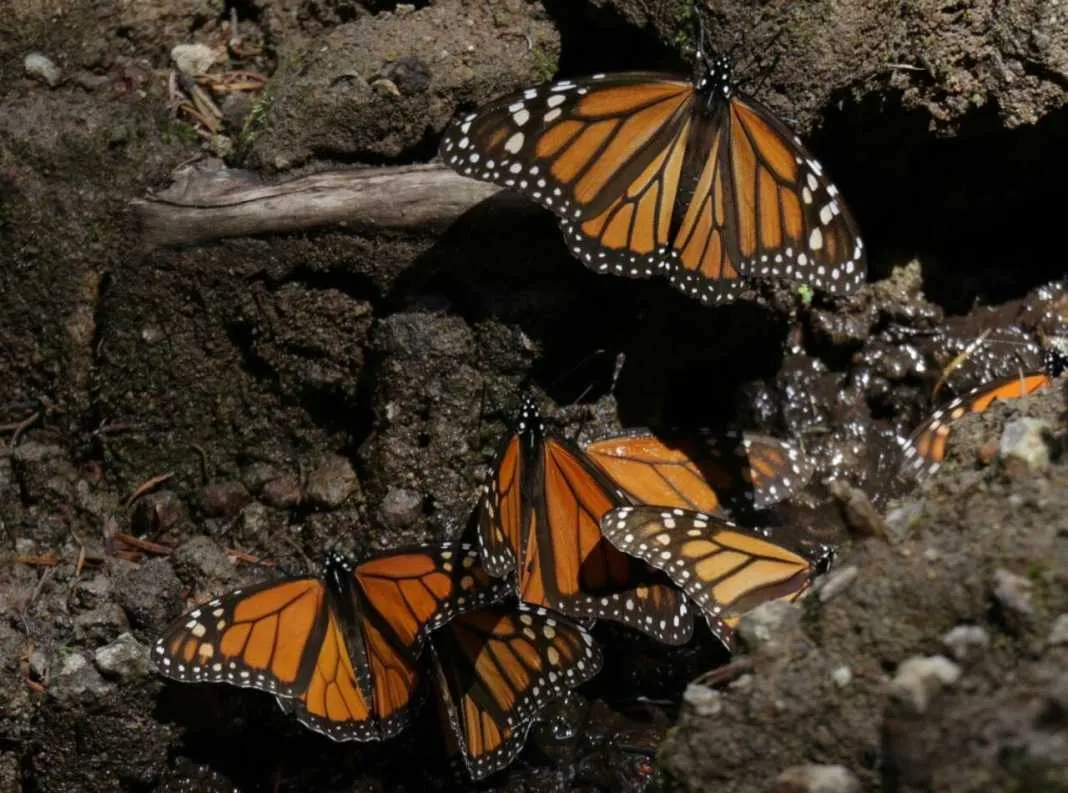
x: 576, y: 570
x: 727, y: 570
x: 704, y: 472
x: 497, y: 667
x: 500, y: 511
x: 926, y: 448
x: 262, y: 636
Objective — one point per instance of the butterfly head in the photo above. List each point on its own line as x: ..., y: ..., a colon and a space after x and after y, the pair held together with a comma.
x: 337, y: 567
x: 529, y: 420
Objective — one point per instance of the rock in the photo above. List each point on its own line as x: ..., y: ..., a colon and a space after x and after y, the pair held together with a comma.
x: 150, y: 594
x: 41, y: 67
x: 34, y: 452
x: 842, y: 676
x: 919, y: 679
x: 705, y: 701
x: 1024, y: 440
x: 257, y: 474
x: 39, y: 666
x: 384, y: 87
x: 91, y: 592
x: 101, y: 624
x: 1013, y: 593
x: 816, y: 779
x: 223, y: 498
x: 254, y: 522
x: 283, y: 492
x: 837, y: 582
x: 769, y: 625
x: 332, y: 483
x: 1058, y: 632
x: 75, y: 679
x: 193, y: 59
x: 902, y: 519
x: 123, y: 659
x: 400, y: 508
x: 156, y: 513
x: 201, y: 559
x: 966, y: 641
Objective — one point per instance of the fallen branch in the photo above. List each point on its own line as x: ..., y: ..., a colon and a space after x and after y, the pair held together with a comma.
x: 208, y: 201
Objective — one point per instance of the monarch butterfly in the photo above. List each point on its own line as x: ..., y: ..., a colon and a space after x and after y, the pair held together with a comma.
x: 745, y: 470
x: 655, y: 173
x: 540, y: 516
x: 340, y: 651
x: 727, y: 570
x: 496, y: 668
x: 925, y: 449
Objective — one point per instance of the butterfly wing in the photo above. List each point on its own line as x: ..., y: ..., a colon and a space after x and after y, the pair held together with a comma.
x: 264, y: 636
x: 571, y: 568
x: 762, y: 207
x: 701, y: 473
x: 727, y: 570
x: 497, y: 667
x: 926, y: 448
x: 604, y: 153
x: 499, y: 511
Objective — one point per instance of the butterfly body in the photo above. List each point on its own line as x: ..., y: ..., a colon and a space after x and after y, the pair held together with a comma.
x: 540, y: 518
x: 652, y: 174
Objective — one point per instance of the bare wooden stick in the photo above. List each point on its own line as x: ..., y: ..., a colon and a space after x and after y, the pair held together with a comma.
x: 208, y: 202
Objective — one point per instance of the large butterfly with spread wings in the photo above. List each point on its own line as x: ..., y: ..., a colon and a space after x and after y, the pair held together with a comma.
x: 340, y: 651
x: 654, y: 173
x: 540, y: 518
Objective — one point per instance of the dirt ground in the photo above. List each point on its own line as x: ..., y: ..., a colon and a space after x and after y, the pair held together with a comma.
x: 168, y: 415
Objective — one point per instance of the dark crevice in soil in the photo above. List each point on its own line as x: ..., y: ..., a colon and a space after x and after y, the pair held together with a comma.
x: 968, y: 207
x: 596, y: 40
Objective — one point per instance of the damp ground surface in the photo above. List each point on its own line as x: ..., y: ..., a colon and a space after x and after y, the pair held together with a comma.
x: 175, y: 423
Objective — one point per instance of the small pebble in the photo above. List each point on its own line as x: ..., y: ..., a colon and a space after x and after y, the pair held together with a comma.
x: 1012, y: 592
x: 705, y: 701
x: 75, y: 678
x: 838, y: 582
x: 193, y: 59
x: 39, y: 665
x: 966, y: 641
x: 101, y: 624
x: 919, y: 679
x: 124, y: 658
x: 332, y: 483
x: 223, y: 498
x: 41, y: 67
x: 766, y: 626
x: 157, y: 513
x: 401, y: 508
x: 384, y: 87
x: 901, y: 520
x: 283, y: 492
x: 1058, y: 632
x: 1024, y: 439
x: 816, y: 779
x: 842, y: 676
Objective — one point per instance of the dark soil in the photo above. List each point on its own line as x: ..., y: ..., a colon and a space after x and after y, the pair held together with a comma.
x: 272, y: 398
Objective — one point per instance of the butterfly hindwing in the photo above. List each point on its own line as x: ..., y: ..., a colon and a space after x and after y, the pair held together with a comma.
x: 497, y: 667
x: 726, y: 570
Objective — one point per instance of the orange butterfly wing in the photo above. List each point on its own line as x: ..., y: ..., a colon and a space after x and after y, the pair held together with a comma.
x: 496, y: 668
x: 926, y: 448
x: 704, y: 473
x: 727, y: 570
x: 340, y: 655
